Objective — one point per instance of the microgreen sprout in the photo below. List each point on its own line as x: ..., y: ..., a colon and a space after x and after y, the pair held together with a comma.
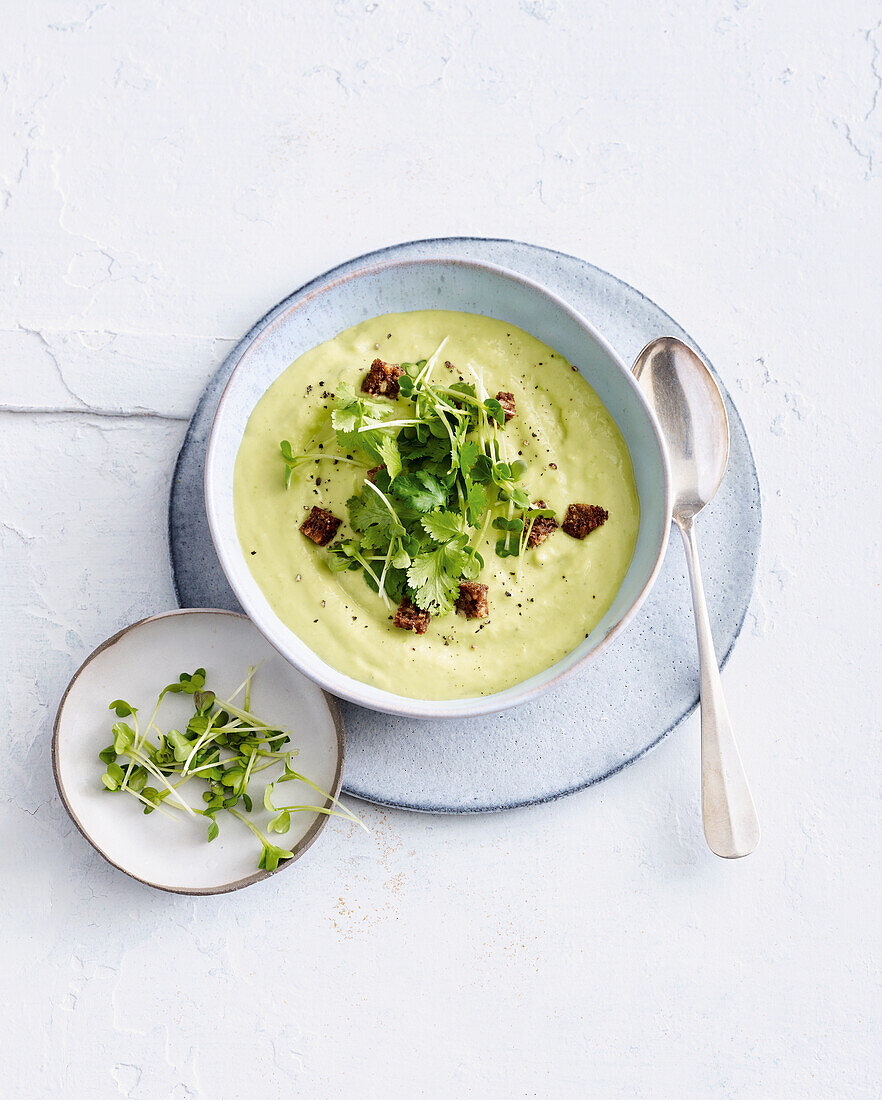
x: 221, y: 748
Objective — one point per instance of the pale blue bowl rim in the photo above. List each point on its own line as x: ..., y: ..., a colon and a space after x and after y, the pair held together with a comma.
x: 340, y: 683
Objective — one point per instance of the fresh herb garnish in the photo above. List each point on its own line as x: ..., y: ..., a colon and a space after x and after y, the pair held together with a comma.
x: 221, y: 749
x: 444, y: 476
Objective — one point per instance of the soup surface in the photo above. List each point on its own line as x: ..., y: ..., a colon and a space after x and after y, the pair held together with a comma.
x: 574, y: 453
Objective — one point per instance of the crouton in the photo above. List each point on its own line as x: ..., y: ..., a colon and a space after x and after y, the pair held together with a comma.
x: 473, y: 602
x: 371, y: 475
x: 507, y: 401
x: 320, y: 526
x: 582, y: 519
x: 382, y: 379
x: 542, y: 527
x: 410, y: 617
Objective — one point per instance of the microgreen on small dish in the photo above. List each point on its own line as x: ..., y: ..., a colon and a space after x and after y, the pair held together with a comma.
x: 216, y: 756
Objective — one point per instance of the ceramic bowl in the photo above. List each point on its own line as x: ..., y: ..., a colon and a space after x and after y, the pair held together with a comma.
x: 468, y: 287
x: 134, y: 665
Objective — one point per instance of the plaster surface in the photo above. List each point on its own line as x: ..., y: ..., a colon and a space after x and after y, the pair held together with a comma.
x: 167, y: 173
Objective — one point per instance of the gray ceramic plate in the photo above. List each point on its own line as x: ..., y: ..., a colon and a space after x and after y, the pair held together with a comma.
x: 603, y: 718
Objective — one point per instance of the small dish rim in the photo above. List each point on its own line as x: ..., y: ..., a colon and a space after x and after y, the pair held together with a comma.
x: 306, y: 841
x: 340, y: 683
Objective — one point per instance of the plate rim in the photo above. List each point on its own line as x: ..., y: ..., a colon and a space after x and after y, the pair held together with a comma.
x: 306, y: 841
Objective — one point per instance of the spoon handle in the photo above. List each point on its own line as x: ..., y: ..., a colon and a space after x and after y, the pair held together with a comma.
x: 731, y: 826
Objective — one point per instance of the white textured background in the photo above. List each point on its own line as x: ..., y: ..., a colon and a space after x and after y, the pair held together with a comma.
x: 168, y: 171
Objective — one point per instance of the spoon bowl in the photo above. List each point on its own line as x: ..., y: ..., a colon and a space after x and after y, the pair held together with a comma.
x: 690, y: 410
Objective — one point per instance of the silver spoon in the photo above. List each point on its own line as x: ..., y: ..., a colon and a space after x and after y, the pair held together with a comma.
x: 690, y: 410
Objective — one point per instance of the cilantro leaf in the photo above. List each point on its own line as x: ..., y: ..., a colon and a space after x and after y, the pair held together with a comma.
x: 442, y: 526
x: 394, y: 583
x: 367, y: 510
x: 468, y: 456
x: 377, y: 445
x: 482, y: 471
x: 477, y: 503
x: 433, y: 585
x: 423, y: 490
x: 434, y: 451
x: 434, y: 577
x: 347, y: 418
x: 389, y: 454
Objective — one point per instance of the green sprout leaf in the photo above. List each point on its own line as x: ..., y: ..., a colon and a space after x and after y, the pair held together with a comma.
x: 495, y: 411
x: 152, y: 796
x: 203, y: 701
x: 281, y: 823
x: 188, y: 684
x: 123, y: 737
x: 272, y: 856
x: 114, y: 777
x: 180, y: 745
x: 137, y: 779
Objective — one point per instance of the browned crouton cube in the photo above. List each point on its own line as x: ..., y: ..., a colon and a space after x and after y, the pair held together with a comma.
x: 507, y: 401
x: 410, y: 617
x: 371, y: 475
x: 320, y: 526
x: 582, y: 519
x: 473, y: 602
x: 382, y: 379
x: 542, y: 526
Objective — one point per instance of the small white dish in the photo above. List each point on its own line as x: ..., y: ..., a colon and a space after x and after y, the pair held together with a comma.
x: 135, y: 665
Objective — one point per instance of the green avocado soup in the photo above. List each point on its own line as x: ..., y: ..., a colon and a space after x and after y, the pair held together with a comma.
x: 542, y: 604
